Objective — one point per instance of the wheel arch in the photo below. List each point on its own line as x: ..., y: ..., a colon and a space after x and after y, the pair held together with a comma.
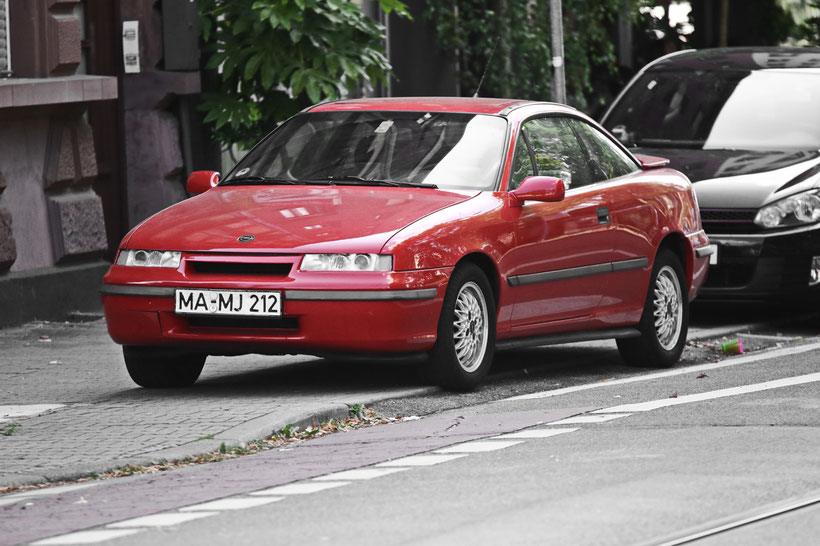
x: 680, y: 247
x: 486, y: 264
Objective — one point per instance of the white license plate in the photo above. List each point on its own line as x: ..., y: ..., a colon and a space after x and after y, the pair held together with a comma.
x: 224, y: 302
x: 713, y: 259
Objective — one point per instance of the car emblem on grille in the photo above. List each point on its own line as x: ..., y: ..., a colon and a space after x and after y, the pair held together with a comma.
x: 246, y: 238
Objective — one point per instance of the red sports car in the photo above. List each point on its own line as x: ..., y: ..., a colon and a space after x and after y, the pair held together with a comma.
x: 450, y: 227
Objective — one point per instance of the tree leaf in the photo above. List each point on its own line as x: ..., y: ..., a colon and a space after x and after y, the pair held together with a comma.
x: 252, y: 66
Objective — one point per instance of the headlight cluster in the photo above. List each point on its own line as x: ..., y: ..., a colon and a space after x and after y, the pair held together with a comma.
x: 149, y: 258
x: 347, y: 262
x: 799, y: 209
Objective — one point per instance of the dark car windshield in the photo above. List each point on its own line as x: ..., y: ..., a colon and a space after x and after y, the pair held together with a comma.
x: 775, y: 109
x: 444, y: 150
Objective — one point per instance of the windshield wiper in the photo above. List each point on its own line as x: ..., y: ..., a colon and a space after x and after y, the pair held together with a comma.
x: 376, y: 182
x: 254, y: 180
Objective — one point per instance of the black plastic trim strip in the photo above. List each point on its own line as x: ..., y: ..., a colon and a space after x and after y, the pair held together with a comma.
x: 132, y: 290
x: 296, y: 295
x: 626, y: 265
x: 575, y: 272
x: 360, y: 295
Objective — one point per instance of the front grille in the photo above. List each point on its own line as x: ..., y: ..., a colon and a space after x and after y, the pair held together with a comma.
x: 729, y: 220
x: 279, y: 323
x: 241, y: 268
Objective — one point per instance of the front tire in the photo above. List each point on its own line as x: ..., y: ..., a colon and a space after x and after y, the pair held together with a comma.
x: 155, y: 368
x: 463, y: 353
x: 665, y: 320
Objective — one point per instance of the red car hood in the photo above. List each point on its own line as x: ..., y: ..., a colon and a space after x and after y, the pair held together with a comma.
x: 286, y: 219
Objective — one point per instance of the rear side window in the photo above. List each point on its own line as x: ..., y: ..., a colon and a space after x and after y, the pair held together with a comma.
x: 606, y: 159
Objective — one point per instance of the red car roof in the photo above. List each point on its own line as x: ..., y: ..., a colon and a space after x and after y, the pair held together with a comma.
x: 425, y: 104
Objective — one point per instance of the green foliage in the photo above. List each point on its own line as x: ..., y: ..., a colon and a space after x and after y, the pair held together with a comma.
x: 276, y: 57
x: 810, y: 29
x: 522, y: 64
x: 9, y: 430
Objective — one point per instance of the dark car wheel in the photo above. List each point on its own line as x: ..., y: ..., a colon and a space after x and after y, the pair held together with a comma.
x: 465, y: 344
x: 155, y: 368
x: 665, y: 319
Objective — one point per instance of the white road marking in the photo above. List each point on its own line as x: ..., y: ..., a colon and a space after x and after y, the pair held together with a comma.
x: 773, y: 338
x: 734, y: 361
x: 86, y: 537
x: 359, y: 474
x: 230, y: 504
x: 421, y: 460
x: 301, y: 488
x: 535, y: 433
x: 47, y: 491
x: 711, y: 395
x: 27, y: 410
x: 588, y: 419
x: 163, y: 519
x: 479, y: 447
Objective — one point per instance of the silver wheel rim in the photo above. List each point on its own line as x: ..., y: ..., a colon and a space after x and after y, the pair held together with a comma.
x: 668, y: 307
x: 470, y: 328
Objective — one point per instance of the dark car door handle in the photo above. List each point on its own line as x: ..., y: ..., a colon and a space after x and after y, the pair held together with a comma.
x: 603, y: 215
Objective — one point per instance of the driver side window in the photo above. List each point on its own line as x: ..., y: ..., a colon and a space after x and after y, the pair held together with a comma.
x: 555, y: 151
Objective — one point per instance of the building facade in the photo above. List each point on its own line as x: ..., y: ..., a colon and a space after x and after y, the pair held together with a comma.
x: 88, y: 149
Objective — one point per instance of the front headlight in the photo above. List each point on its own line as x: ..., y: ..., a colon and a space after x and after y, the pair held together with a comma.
x: 799, y: 209
x: 346, y: 262
x: 149, y: 258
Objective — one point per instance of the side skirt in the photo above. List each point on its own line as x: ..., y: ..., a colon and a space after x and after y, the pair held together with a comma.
x: 569, y: 337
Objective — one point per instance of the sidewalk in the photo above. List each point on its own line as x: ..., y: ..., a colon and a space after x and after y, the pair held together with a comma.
x: 68, y: 407
x: 66, y: 388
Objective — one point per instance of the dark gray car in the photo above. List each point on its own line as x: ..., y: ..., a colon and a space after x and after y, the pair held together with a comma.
x: 744, y: 125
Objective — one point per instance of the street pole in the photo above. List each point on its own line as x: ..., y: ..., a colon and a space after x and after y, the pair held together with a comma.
x: 559, y: 84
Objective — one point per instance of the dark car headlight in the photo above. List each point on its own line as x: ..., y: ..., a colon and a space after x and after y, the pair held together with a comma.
x: 799, y: 209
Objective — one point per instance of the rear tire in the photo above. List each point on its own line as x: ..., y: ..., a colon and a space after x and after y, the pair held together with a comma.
x: 156, y: 368
x: 665, y: 319
x: 463, y: 353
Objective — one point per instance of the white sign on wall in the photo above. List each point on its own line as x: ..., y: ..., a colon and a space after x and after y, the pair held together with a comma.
x: 131, y: 46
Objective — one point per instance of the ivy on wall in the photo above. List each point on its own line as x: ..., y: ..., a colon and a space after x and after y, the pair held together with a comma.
x: 276, y: 57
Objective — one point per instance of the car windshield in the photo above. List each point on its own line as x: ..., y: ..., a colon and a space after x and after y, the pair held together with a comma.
x: 444, y: 150
x: 759, y: 110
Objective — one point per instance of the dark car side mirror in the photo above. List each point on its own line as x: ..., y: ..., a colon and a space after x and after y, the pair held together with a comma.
x: 539, y: 188
x: 201, y: 181
x: 651, y: 161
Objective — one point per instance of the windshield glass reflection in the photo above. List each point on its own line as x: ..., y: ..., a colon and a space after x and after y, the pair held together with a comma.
x: 446, y: 150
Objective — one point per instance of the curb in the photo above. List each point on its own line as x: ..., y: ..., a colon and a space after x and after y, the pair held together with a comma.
x: 239, y: 435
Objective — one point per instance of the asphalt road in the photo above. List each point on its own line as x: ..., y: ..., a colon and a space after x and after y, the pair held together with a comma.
x: 652, y: 474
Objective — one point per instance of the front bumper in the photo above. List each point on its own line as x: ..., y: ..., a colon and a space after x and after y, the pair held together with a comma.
x: 763, y: 267
x: 371, y: 313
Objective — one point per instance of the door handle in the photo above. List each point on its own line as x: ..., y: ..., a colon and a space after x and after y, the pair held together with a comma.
x: 603, y: 215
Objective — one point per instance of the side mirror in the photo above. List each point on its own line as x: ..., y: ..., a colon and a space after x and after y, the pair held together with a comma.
x: 651, y: 161
x: 538, y: 188
x: 201, y: 181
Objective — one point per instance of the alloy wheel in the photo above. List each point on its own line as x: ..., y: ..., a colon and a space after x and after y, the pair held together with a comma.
x: 470, y: 327
x: 668, y: 308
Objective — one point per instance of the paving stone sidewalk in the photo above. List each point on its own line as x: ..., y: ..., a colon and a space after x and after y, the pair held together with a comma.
x: 99, y: 419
